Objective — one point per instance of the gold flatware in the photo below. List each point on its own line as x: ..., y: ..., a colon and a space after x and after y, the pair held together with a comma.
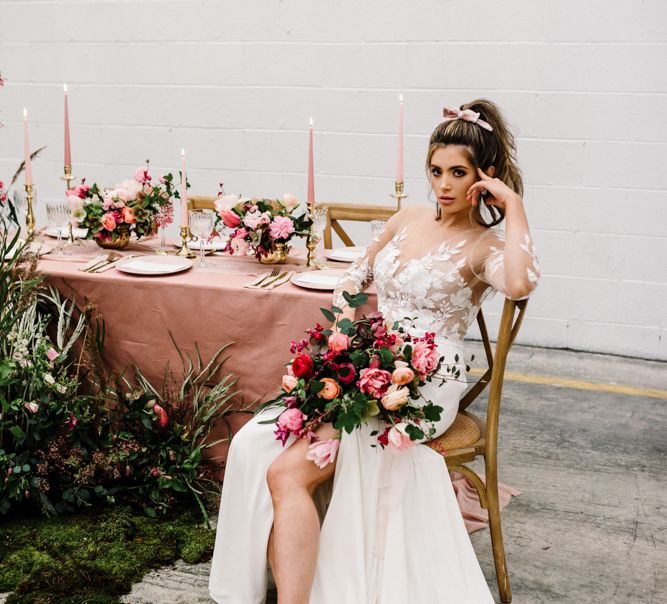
x: 275, y: 279
x: 273, y: 273
x: 112, y: 257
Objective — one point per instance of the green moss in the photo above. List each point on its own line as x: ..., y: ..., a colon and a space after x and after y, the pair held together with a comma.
x: 93, y: 557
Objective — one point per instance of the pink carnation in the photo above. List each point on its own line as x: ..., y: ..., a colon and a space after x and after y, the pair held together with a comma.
x: 281, y: 227
x: 374, y: 381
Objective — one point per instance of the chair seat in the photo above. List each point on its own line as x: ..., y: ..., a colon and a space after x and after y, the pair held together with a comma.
x: 464, y: 433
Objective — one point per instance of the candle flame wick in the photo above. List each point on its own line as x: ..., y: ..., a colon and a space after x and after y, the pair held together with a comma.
x: 65, y: 88
x: 400, y: 98
x: 182, y: 152
x: 25, y: 112
x: 311, y: 122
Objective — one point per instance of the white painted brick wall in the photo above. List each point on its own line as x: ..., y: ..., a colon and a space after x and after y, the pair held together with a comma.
x: 583, y: 83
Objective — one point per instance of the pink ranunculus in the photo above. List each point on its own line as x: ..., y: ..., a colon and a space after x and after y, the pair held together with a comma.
x: 108, y: 221
x: 402, y: 374
x: 52, y: 354
x: 281, y: 227
x: 424, y: 359
x: 398, y: 438
x: 323, y: 452
x: 231, y: 219
x: 289, y: 382
x: 395, y: 398
x: 141, y: 175
x: 374, y: 382
x: 252, y: 220
x: 162, y: 417
x: 32, y: 407
x: 290, y: 202
x: 291, y: 420
x: 128, y: 215
x: 338, y: 342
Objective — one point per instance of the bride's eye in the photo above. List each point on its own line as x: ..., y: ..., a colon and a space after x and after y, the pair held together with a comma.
x: 435, y: 171
x: 459, y: 172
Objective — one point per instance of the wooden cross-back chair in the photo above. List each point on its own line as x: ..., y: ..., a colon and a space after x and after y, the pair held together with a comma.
x: 471, y: 436
x: 201, y: 202
x: 353, y: 212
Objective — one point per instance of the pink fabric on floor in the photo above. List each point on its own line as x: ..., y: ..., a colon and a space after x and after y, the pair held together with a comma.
x: 474, y: 516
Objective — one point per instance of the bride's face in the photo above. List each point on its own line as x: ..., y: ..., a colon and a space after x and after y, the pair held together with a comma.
x: 451, y: 175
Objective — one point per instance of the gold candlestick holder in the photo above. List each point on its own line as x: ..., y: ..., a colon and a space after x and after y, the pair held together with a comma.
x: 68, y: 178
x: 185, y: 251
x: 398, y: 194
x: 30, y: 215
x: 311, y: 240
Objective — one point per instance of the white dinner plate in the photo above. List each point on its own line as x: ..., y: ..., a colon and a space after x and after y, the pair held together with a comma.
x: 324, y: 280
x: 36, y: 247
x: 217, y: 245
x: 64, y: 232
x: 345, y: 254
x: 153, y: 265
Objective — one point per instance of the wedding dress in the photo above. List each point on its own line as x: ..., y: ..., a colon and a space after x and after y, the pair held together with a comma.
x: 393, y: 532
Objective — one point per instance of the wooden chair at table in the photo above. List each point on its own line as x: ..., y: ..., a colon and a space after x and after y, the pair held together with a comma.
x: 201, y: 202
x: 353, y: 212
x: 470, y: 436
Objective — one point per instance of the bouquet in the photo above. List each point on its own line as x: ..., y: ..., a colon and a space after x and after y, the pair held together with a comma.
x: 136, y: 205
x: 260, y: 225
x: 360, y: 370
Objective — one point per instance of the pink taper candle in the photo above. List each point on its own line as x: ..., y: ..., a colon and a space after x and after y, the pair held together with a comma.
x: 399, y: 153
x: 68, y: 149
x: 184, y: 192
x: 26, y: 149
x: 311, y: 175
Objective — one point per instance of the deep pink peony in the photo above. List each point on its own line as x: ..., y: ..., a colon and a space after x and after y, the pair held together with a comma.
x: 291, y: 420
x: 281, y: 227
x: 374, y: 381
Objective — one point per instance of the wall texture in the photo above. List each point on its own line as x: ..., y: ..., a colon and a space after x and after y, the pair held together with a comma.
x: 583, y: 83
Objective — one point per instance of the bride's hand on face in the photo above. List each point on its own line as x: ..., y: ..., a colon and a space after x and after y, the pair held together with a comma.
x: 499, y: 194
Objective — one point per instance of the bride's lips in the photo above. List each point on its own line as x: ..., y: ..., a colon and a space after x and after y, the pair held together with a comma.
x: 445, y: 201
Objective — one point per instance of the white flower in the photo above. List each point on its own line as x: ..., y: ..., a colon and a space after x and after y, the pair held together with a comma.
x: 48, y: 378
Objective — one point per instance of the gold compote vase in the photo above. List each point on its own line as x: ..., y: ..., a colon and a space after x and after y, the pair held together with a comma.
x: 278, y: 256
x: 117, y: 243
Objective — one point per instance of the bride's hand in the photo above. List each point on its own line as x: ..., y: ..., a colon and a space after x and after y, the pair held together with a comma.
x: 498, y: 193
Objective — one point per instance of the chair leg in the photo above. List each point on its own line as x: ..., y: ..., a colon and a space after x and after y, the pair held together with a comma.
x: 497, y: 542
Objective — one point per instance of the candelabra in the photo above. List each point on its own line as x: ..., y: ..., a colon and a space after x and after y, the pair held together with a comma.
x: 30, y: 215
x: 185, y: 251
x: 68, y: 178
x: 398, y: 194
x: 311, y: 240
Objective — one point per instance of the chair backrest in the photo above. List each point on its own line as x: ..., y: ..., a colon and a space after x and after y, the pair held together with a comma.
x: 353, y: 212
x: 510, y: 323
x: 201, y: 202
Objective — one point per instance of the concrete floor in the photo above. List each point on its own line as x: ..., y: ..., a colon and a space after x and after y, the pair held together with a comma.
x: 590, y: 524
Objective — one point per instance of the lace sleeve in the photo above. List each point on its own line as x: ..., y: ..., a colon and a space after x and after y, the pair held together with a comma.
x: 360, y: 275
x: 512, y: 270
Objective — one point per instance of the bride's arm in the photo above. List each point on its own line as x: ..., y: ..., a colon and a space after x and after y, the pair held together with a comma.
x: 360, y: 275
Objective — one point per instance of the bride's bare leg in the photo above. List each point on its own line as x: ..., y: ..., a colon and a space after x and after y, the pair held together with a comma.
x: 295, y: 535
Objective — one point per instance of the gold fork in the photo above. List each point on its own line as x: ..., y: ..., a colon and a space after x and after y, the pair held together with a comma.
x: 274, y: 273
x: 109, y: 259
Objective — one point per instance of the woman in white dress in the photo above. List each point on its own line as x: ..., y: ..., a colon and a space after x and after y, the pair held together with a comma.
x: 392, y: 532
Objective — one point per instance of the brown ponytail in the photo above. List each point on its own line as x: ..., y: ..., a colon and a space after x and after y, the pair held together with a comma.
x: 485, y: 149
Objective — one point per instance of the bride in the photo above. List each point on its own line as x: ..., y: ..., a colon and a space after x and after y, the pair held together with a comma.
x: 393, y: 532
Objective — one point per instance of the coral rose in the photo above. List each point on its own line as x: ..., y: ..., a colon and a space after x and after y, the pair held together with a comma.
x: 108, y: 221
x: 395, y: 398
x: 374, y: 381
x: 302, y: 366
x: 338, y: 342
x: 424, y: 359
x: 291, y: 420
x: 398, y: 438
x: 128, y: 215
x: 402, y: 374
x: 289, y: 382
x: 323, y: 452
x: 331, y: 389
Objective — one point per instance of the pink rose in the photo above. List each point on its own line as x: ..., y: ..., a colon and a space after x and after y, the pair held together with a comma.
x: 281, y: 227
x: 395, y: 398
x: 128, y: 215
x: 52, y: 354
x: 398, y: 438
x: 163, y: 418
x: 252, y: 220
x: 424, y: 359
x: 402, y: 374
x: 291, y: 420
x: 323, y: 452
x: 108, y: 221
x: 32, y: 407
x: 289, y: 383
x: 338, y: 342
x: 374, y: 382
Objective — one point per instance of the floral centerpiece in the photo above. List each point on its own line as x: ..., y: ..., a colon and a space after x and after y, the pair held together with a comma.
x: 262, y: 227
x: 361, y: 370
x: 136, y: 205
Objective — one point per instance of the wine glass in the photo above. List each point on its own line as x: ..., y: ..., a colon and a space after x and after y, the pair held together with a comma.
x: 20, y: 204
x: 319, y: 222
x: 58, y: 215
x: 201, y: 223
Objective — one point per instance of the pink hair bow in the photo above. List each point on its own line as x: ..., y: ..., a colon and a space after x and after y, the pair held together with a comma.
x: 467, y: 115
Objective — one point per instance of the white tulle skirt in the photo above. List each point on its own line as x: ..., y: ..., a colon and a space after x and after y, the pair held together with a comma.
x: 392, y: 532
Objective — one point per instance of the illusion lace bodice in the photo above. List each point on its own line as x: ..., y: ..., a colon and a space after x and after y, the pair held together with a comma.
x: 440, y: 284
